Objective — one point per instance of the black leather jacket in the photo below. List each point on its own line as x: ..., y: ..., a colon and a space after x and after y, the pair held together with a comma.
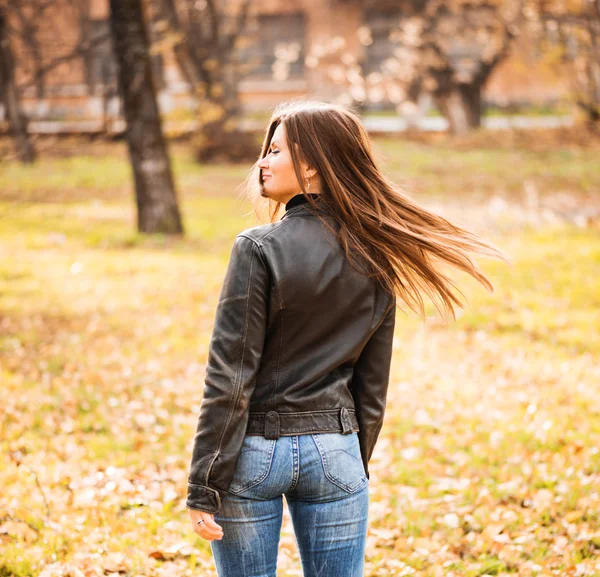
x: 302, y: 343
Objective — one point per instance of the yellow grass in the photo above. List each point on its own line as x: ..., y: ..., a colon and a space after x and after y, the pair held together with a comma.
x: 488, y: 460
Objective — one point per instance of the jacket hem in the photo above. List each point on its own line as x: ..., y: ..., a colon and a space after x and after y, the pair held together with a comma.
x: 203, y: 498
x: 274, y: 424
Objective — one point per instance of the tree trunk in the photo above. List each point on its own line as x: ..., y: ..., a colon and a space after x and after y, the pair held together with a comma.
x: 461, y: 106
x: 10, y: 99
x: 219, y: 138
x: 154, y: 188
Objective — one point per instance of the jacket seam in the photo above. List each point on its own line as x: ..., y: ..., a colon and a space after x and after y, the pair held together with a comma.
x: 268, y: 234
x: 277, y: 294
x: 291, y: 433
x: 385, y: 314
x: 266, y: 260
x: 236, y: 389
x: 301, y: 413
x: 277, y: 364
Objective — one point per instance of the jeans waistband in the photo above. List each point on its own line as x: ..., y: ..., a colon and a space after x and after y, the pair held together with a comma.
x: 273, y: 424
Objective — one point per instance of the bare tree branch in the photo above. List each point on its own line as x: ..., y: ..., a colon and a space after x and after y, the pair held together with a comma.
x: 167, y: 10
x: 77, y: 52
x: 241, y: 24
x: 214, y: 21
x: 31, y: 41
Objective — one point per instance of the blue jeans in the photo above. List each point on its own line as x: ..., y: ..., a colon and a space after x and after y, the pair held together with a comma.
x: 327, y: 492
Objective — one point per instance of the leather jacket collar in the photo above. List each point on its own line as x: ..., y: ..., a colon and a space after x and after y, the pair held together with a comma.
x: 299, y: 203
x: 300, y: 199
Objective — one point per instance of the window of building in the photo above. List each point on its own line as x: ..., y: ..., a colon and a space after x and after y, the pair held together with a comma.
x: 101, y: 66
x: 381, y: 23
x: 273, y: 47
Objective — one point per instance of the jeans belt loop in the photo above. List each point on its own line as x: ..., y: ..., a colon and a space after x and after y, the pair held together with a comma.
x: 272, y: 425
x: 345, y: 421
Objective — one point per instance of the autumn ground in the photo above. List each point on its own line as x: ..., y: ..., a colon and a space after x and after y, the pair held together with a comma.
x: 488, y: 463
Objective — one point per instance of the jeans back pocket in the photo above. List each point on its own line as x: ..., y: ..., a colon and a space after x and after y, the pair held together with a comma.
x: 254, y: 463
x: 342, y: 462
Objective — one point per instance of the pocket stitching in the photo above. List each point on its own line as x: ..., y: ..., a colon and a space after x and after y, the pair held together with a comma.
x: 260, y: 479
x: 348, y: 488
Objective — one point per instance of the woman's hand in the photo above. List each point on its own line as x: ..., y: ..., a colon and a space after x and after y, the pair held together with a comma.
x: 208, y: 530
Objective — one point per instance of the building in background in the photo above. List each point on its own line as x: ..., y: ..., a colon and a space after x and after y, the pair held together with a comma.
x: 276, y: 55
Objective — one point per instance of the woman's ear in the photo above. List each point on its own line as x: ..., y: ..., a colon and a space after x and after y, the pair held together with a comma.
x: 310, y: 172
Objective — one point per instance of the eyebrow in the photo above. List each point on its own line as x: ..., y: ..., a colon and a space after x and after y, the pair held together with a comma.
x: 274, y: 142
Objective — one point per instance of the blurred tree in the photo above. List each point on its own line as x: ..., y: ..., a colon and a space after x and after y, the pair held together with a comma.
x: 456, y: 46
x: 9, y: 95
x: 446, y: 48
x: 157, y: 207
x: 569, y: 35
x: 203, y: 35
x: 31, y: 33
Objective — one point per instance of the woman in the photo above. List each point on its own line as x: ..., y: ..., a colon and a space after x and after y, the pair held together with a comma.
x: 300, y: 354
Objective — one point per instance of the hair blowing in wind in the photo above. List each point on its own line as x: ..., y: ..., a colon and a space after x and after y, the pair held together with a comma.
x: 399, y: 243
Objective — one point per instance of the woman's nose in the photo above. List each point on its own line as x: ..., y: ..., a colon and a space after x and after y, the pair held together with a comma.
x: 263, y: 163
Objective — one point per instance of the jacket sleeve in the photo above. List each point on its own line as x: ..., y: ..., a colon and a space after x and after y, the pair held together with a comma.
x: 234, y: 356
x: 370, y: 384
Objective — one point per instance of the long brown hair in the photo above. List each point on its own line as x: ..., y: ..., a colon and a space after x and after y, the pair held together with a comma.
x: 398, y: 242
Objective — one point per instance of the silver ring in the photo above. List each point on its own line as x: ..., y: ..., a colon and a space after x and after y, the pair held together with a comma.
x: 201, y: 521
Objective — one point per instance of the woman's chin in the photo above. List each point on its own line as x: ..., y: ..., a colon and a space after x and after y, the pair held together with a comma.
x: 267, y: 194
x: 270, y: 195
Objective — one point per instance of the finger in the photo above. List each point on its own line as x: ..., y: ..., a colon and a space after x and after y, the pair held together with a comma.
x: 207, y: 530
x: 209, y: 535
x: 210, y: 525
x: 207, y: 518
x: 210, y: 522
